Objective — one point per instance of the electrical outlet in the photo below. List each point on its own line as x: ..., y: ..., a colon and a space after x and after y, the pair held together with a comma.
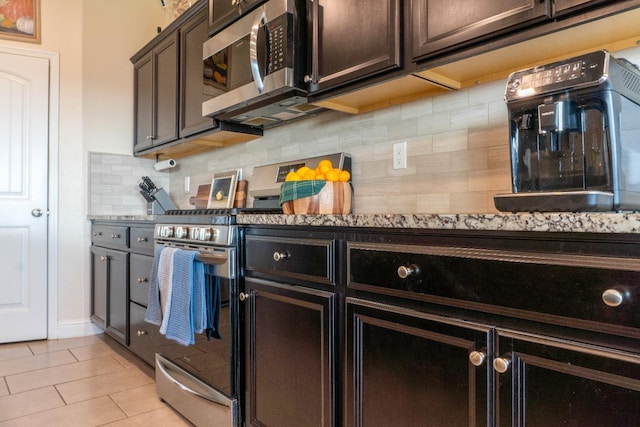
x: 400, y: 155
x: 187, y: 184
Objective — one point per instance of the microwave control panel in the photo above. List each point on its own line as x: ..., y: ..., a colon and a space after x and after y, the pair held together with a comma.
x: 278, y: 43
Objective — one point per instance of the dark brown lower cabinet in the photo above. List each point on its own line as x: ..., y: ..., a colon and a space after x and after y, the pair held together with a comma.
x: 563, y: 383
x: 290, y: 355
x: 408, y: 368
x: 110, y: 299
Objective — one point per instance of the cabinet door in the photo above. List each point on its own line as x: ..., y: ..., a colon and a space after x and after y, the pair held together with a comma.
x: 353, y: 40
x: 290, y: 369
x: 192, y: 96
x: 406, y: 368
x: 99, y: 277
x: 557, y: 383
x: 442, y: 25
x: 143, y: 103
x: 139, y: 273
x: 142, y: 334
x: 166, y: 90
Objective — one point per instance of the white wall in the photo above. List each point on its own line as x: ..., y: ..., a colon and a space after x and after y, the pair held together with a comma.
x: 95, y: 40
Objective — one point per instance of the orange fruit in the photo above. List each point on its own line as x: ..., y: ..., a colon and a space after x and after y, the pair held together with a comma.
x: 325, y: 162
x: 332, y: 175
x: 292, y: 176
x: 309, y: 175
x: 344, y: 176
x: 303, y: 170
x: 320, y: 176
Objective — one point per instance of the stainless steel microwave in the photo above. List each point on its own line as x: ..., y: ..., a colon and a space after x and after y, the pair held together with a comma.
x: 254, y: 69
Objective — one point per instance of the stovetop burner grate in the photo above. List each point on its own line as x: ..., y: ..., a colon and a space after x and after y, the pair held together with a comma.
x: 222, y: 212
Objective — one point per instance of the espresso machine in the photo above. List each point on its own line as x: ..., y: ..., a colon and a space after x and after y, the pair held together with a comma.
x: 574, y: 136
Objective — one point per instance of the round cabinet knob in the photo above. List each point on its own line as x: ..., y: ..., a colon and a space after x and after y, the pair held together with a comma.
x: 612, y: 297
x: 115, y: 236
x: 141, y: 333
x: 103, y: 258
x: 243, y: 296
x: 405, y: 271
x: 142, y: 280
x: 142, y: 239
x: 501, y: 364
x: 280, y: 256
x: 477, y: 358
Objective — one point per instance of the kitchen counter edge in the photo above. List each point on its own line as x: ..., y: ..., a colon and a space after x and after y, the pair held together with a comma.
x: 543, y: 222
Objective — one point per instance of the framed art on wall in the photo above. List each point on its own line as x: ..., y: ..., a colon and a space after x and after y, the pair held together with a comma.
x: 20, y: 20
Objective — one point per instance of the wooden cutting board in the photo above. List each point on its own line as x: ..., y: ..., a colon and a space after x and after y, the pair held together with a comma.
x: 201, y: 199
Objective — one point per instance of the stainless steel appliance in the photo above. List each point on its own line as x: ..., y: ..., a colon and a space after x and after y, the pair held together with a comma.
x: 203, y: 381
x: 574, y: 136
x: 254, y: 69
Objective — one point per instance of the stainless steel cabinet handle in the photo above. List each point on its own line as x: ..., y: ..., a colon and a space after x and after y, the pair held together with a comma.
x: 141, y: 333
x: 405, y: 271
x: 502, y: 364
x: 612, y: 297
x: 243, y: 296
x: 477, y: 358
x: 279, y: 256
x: 142, y: 280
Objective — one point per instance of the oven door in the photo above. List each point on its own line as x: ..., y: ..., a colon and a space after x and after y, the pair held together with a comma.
x: 250, y: 63
x: 201, y: 381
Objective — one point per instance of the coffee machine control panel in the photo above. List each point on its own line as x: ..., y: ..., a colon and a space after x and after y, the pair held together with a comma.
x: 583, y: 71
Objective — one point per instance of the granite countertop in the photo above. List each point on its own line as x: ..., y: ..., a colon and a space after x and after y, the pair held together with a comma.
x: 549, y: 222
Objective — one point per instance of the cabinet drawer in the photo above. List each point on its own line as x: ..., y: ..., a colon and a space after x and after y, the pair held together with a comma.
x: 139, y: 275
x: 111, y: 236
x: 142, y: 239
x: 555, y: 288
x: 306, y: 259
x: 141, y: 333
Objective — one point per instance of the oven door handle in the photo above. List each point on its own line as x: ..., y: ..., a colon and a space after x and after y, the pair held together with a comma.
x: 212, y: 258
x: 258, y: 19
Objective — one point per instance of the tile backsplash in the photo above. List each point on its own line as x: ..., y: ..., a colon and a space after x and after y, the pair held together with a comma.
x: 457, y: 147
x: 113, y: 183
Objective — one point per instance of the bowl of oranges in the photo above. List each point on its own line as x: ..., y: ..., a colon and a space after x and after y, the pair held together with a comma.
x: 323, y: 190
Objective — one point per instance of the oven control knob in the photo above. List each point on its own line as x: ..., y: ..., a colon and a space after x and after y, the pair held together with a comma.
x: 194, y: 232
x: 166, y: 231
x: 205, y: 234
x: 182, y: 232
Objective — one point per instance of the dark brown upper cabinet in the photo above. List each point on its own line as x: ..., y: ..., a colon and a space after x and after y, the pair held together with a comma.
x: 352, y: 40
x: 441, y: 26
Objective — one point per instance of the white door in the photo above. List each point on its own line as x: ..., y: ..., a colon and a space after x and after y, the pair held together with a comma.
x: 24, y: 101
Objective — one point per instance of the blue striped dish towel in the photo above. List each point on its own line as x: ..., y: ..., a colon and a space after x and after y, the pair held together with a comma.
x: 179, y: 322
x: 161, y: 276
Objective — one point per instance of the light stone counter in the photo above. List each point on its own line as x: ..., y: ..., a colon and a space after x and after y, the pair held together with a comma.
x: 549, y: 222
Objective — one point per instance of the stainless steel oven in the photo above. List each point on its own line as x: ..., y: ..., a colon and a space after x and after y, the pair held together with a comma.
x: 254, y: 69
x: 201, y: 381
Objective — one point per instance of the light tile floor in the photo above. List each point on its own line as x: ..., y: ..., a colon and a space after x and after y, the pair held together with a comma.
x: 88, y: 381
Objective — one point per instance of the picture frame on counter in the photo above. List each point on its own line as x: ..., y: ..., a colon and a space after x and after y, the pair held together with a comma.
x: 223, y: 190
x: 20, y: 20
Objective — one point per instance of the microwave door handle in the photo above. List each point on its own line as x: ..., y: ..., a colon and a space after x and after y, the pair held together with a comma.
x: 259, y: 18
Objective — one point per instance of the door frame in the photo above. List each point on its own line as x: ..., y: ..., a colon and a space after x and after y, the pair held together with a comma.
x: 52, y: 190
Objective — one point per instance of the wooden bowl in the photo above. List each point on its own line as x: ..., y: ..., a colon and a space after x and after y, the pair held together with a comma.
x: 334, y: 198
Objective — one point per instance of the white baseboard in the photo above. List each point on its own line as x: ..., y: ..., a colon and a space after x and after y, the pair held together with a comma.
x: 79, y: 328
